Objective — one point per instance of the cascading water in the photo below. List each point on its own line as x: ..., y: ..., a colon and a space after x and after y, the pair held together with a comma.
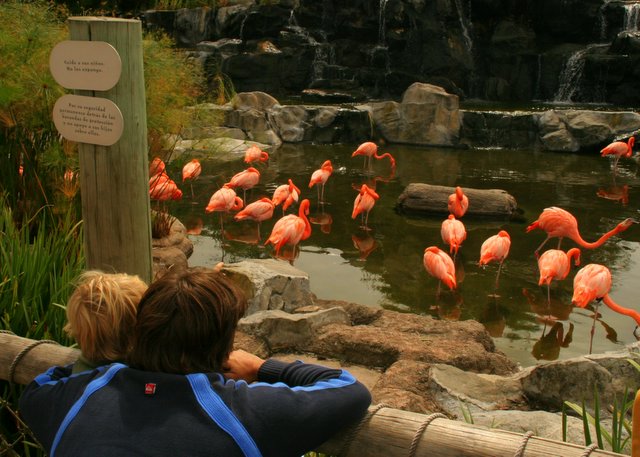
x: 602, y: 20
x: 381, y: 23
x: 465, y: 31
x: 631, y: 17
x: 571, y: 74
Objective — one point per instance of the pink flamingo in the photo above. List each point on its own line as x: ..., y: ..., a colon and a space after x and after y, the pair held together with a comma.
x: 495, y: 249
x: 320, y: 177
x: 224, y: 200
x: 618, y: 149
x: 165, y: 189
x: 191, y: 171
x: 370, y: 151
x: 246, y: 179
x: 453, y: 233
x: 458, y: 203
x: 255, y: 154
x: 440, y: 265
x: 286, y: 194
x: 156, y: 166
x: 364, y: 202
x: 258, y: 211
x: 556, y: 264
x: 560, y: 223
x: 291, y: 229
x: 593, y: 282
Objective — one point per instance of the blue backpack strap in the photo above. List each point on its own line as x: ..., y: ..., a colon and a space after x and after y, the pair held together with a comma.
x: 220, y: 413
x: 93, y: 386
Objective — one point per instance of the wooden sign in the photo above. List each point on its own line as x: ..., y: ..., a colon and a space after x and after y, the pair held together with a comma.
x: 92, y: 120
x: 86, y: 65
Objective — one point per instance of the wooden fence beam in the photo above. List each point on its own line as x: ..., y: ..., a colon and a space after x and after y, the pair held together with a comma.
x: 384, y: 432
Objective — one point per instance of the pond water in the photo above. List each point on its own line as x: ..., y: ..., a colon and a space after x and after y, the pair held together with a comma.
x: 383, y: 267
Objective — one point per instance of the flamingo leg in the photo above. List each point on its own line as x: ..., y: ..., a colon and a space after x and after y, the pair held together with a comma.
x: 593, y: 327
x: 548, y: 300
x: 192, y: 195
x: 498, y: 275
x: 541, y: 245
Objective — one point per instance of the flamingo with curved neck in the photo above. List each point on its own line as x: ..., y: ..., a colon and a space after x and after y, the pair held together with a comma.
x: 593, y: 282
x: 291, y: 229
x: 556, y: 264
x: 370, y: 151
x: 559, y: 223
x: 619, y: 149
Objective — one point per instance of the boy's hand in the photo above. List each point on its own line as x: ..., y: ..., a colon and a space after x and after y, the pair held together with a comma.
x: 242, y: 365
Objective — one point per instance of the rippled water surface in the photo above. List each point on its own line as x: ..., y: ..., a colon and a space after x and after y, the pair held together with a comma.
x: 383, y: 267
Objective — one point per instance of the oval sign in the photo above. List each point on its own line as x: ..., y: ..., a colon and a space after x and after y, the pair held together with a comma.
x: 87, y: 65
x: 90, y: 120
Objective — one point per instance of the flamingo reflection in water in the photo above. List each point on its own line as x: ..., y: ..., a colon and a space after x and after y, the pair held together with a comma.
x: 364, y: 243
x: 549, y: 344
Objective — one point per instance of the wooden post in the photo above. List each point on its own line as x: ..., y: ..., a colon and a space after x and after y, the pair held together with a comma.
x: 114, y: 179
x: 385, y: 431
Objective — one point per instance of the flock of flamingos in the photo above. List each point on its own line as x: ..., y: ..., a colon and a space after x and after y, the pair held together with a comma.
x: 591, y: 283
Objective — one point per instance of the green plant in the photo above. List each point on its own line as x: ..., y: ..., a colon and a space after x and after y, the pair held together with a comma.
x: 621, y: 422
x: 466, y: 412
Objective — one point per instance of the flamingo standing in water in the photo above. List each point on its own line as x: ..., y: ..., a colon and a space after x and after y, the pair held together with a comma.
x: 364, y: 202
x: 440, y: 265
x: 495, y: 249
x: 453, y: 233
x: 246, y: 179
x: 286, y: 194
x: 258, y: 211
x: 370, y: 151
x: 593, y: 282
x: 619, y: 149
x: 320, y: 177
x: 291, y: 229
x: 556, y: 264
x: 255, y: 154
x: 224, y: 200
x: 458, y: 203
x: 560, y: 223
x: 191, y: 171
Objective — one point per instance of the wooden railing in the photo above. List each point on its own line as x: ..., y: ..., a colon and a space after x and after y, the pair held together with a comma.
x: 384, y: 432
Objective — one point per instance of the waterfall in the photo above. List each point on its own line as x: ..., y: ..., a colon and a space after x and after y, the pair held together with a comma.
x: 603, y: 20
x: 244, y: 20
x: 381, y: 22
x: 324, y: 55
x: 292, y: 19
x: 538, y: 86
x: 631, y: 16
x: 463, y: 26
x: 571, y: 74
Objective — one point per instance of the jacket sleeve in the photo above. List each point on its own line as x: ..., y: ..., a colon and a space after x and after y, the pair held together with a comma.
x: 46, y: 400
x: 300, y: 406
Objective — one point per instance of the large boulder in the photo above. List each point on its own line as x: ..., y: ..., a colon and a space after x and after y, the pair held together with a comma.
x: 426, y: 115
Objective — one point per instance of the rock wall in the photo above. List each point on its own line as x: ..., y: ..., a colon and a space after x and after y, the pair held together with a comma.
x: 505, y: 50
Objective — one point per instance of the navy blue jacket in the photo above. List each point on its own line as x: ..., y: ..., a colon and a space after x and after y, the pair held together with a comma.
x: 119, y: 411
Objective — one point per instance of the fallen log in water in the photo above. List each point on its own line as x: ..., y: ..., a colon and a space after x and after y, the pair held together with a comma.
x: 431, y: 199
x: 383, y: 432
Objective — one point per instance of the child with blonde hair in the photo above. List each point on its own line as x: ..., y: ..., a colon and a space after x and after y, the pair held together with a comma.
x: 101, y: 316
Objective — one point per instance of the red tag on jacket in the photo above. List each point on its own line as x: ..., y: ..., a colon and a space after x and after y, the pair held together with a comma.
x: 149, y: 388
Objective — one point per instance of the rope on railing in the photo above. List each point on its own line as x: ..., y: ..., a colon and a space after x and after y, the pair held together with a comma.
x: 420, y: 431
x: 21, y: 354
x: 355, y: 430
